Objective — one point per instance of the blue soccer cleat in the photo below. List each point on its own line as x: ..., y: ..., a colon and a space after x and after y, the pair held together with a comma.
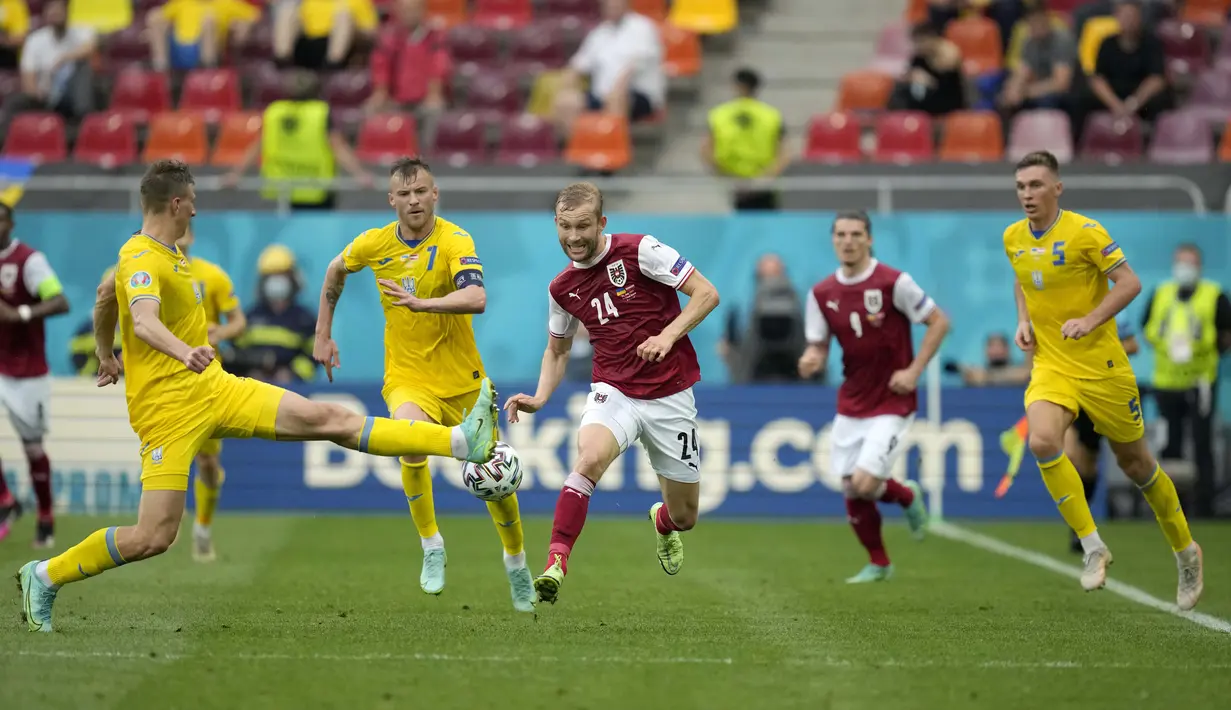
x: 36, y: 599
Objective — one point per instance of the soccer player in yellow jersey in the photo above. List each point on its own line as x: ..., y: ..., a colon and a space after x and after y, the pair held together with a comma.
x: 1066, y: 316
x: 432, y: 283
x: 179, y: 397
x: 224, y: 321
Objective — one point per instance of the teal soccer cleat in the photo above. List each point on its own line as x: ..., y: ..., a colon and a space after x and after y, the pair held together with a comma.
x: 432, y: 577
x: 917, y: 512
x: 479, y: 426
x: 521, y: 587
x: 36, y: 599
x: 872, y: 573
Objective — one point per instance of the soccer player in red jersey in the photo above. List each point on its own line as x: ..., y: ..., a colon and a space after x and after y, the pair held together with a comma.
x: 869, y: 307
x: 622, y: 288
x: 29, y: 293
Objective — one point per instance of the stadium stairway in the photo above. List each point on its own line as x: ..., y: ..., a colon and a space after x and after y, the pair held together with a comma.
x: 801, y: 49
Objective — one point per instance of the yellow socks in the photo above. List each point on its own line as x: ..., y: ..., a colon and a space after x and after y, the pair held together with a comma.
x: 417, y: 483
x: 207, y: 498
x: 1066, y: 489
x: 90, y: 557
x: 1160, y: 494
x: 387, y: 437
x: 507, y: 516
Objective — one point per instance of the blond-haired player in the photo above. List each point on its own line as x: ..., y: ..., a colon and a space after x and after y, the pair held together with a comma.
x: 179, y: 397
x: 432, y: 284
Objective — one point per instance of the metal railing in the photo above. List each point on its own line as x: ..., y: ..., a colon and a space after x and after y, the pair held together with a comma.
x: 883, y: 185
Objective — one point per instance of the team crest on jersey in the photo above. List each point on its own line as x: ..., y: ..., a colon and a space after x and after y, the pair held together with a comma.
x: 873, y: 301
x: 8, y: 277
x: 599, y: 398
x: 141, y: 279
x: 1037, y: 278
x: 617, y: 273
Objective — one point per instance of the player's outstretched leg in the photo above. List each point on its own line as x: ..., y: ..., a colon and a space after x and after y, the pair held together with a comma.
x: 1140, y: 466
x: 158, y: 521
x: 207, y: 488
x: 677, y: 513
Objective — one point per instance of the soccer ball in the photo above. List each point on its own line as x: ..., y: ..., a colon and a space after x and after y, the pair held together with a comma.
x: 497, y: 479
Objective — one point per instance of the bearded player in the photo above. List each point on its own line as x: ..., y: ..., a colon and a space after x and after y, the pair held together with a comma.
x: 432, y: 281
x: 224, y: 319
x: 622, y: 288
x: 1066, y: 314
x: 870, y: 307
x: 29, y: 294
x: 179, y: 397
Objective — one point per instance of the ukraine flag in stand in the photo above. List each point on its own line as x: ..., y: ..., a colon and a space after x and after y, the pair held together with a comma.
x: 13, y: 176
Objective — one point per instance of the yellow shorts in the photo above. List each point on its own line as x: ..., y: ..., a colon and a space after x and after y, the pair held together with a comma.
x: 1113, y: 404
x: 242, y: 408
x: 448, y: 411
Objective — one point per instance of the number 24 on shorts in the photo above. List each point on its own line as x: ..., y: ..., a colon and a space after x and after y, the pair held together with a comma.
x: 688, y: 440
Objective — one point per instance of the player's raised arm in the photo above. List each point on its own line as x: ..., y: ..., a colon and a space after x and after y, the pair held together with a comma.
x: 561, y: 327
x: 816, y: 331
x: 665, y: 265
x: 324, y: 349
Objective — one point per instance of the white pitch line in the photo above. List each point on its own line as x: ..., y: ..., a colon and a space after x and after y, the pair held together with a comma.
x: 1128, y: 591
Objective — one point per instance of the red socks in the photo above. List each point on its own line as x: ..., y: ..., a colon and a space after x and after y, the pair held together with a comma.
x: 5, y: 497
x: 663, y: 521
x: 40, y: 476
x: 571, y: 509
x: 897, y: 493
x: 865, y: 520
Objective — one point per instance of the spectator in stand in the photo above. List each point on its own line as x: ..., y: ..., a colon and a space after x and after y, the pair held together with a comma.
x: 1042, y: 76
x: 767, y: 348
x: 1152, y: 12
x: 746, y: 142
x: 933, y: 82
x: 320, y: 34
x: 14, y: 24
x: 187, y: 34
x: 623, y: 57
x: 410, y: 63
x: 55, y: 69
x: 1129, y: 77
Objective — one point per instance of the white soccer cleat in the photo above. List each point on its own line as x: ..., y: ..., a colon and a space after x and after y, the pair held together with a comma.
x: 202, y: 544
x: 1192, y: 579
x: 1094, y: 572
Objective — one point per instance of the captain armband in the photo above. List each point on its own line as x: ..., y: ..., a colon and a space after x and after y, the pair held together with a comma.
x: 469, y: 277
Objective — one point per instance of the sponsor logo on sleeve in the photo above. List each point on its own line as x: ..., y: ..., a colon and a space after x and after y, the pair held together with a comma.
x: 1110, y: 248
x: 470, y: 261
x: 679, y: 265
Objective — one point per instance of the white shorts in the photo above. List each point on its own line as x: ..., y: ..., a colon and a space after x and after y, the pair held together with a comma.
x: 667, y: 428
x: 871, y: 445
x: 27, y: 400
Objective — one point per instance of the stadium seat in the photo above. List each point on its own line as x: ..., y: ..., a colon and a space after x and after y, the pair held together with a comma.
x: 1207, y: 13
x: 472, y: 47
x: 107, y: 140
x: 501, y: 14
x: 1211, y: 96
x: 599, y: 141
x: 1111, y: 139
x: 237, y: 132
x: 903, y: 137
x: 345, y: 92
x: 1222, y: 57
x: 864, y: 90
x: 536, y: 48
x: 527, y: 140
x: 1186, y: 48
x: 972, y: 137
x: 654, y: 9
x: 386, y: 137
x: 681, y: 51
x: 447, y: 13
x: 460, y: 140
x: 494, y: 95
x: 916, y: 11
x: 258, y: 45
x: 1093, y: 33
x: 834, y: 138
x: 37, y: 137
x: 128, y: 46
x: 210, y: 92
x: 979, y: 40
x: 705, y: 17
x: 582, y: 12
x: 139, y: 94
x: 267, y: 86
x: 1181, y: 138
x: 1045, y: 129
x: 893, y: 49
x: 178, y: 135
x: 1224, y: 146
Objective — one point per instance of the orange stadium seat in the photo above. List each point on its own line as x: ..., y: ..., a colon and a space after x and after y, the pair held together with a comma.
x: 903, y: 137
x: 979, y: 40
x: 654, y: 9
x: 502, y: 14
x: 681, y: 51
x: 707, y: 17
x: 38, y: 137
x: 972, y: 137
x: 238, y: 131
x: 447, y: 13
x: 107, y: 140
x: 599, y: 142
x: 386, y: 137
x: 864, y: 90
x: 1210, y: 13
x: 139, y: 94
x: 210, y: 92
x: 916, y: 11
x: 178, y: 135
x: 834, y: 138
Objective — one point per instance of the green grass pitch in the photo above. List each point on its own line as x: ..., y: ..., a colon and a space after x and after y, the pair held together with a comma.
x: 326, y: 612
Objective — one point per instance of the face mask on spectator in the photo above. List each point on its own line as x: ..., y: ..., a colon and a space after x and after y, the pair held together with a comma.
x: 278, y: 288
x: 1185, y: 274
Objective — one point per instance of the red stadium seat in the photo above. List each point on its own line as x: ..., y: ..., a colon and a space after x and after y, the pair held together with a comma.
x: 903, y: 137
x: 236, y: 134
x: 460, y: 140
x: 501, y: 14
x: 345, y: 92
x: 268, y: 85
x: 386, y: 137
x: 128, y: 46
x: 1181, y: 138
x: 447, y: 13
x: 584, y: 12
x: 834, y: 138
x: 210, y: 92
x: 1186, y: 48
x: 139, y: 94
x: 258, y: 45
x: 493, y: 95
x: 1211, y: 96
x: 472, y: 47
x: 37, y: 137
x: 864, y: 90
x: 178, y: 136
x: 1111, y: 139
x: 1041, y: 130
x: 538, y: 47
x: 972, y: 137
x: 527, y: 140
x: 107, y: 140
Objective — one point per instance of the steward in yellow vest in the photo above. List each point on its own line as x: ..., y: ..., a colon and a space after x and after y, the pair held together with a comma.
x: 745, y: 141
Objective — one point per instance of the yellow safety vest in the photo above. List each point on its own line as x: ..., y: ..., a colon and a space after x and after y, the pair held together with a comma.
x: 746, y: 134
x: 295, y: 146
x: 1184, y: 336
